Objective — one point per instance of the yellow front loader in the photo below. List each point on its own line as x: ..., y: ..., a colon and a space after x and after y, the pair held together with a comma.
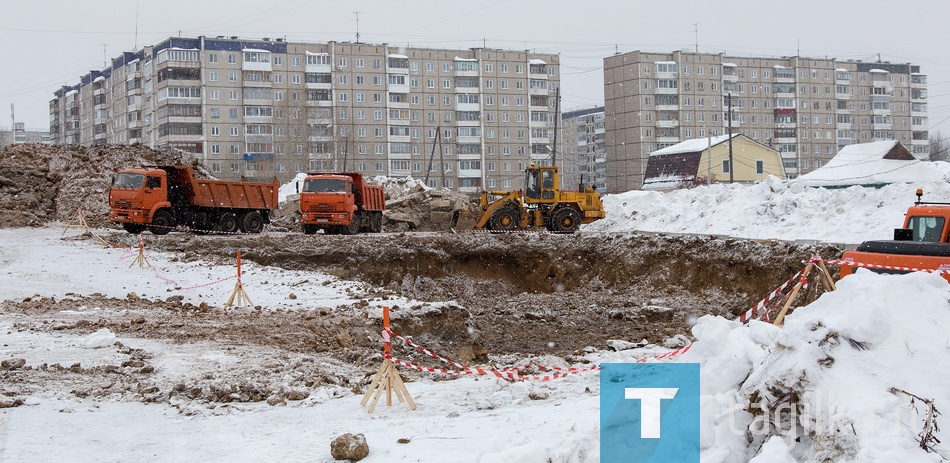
x: 540, y: 204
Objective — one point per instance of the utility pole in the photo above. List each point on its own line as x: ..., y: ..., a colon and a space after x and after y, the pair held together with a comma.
x: 438, y: 130
x: 557, y: 114
x: 709, y: 158
x: 729, y: 114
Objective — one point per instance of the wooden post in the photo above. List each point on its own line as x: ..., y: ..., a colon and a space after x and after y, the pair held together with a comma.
x: 780, y: 318
x: 242, y: 299
x: 826, y: 275
x: 387, y: 378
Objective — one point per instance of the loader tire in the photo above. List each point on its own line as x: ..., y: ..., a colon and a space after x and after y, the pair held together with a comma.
x: 565, y: 220
x: 504, y: 219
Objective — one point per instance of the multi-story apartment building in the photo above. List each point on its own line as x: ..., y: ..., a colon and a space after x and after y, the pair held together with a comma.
x: 584, y: 149
x: 19, y: 134
x: 806, y: 108
x: 467, y: 119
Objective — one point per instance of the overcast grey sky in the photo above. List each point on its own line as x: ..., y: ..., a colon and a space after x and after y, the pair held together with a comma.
x: 49, y: 43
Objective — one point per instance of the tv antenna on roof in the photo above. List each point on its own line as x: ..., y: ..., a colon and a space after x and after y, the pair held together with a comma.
x: 357, y: 13
x: 696, y: 31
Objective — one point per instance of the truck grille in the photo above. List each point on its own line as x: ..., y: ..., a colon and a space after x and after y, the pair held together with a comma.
x: 122, y: 204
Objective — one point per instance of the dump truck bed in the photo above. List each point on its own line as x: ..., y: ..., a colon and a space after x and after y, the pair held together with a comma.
x: 223, y: 193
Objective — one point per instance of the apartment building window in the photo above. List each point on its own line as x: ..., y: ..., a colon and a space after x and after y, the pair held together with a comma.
x: 519, y: 69
x: 232, y: 59
x: 341, y: 63
x: 378, y: 115
x: 759, y: 167
x: 213, y: 76
x: 446, y: 83
x: 215, y: 149
x: 359, y: 62
x: 234, y: 131
x: 504, y: 68
x: 213, y: 58
x: 445, y: 67
x: 215, y: 131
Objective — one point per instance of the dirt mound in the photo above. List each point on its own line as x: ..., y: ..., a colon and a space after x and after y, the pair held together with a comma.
x: 43, y: 183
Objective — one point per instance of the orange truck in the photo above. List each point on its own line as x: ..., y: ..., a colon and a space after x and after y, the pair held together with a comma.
x: 922, y: 244
x: 341, y: 203
x: 164, y: 197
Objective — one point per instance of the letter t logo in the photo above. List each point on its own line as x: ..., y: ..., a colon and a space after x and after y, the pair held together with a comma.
x: 649, y: 407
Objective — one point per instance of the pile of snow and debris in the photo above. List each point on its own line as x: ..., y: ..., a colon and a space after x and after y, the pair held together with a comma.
x: 410, y: 204
x: 769, y: 209
x: 43, y: 183
x: 850, y: 377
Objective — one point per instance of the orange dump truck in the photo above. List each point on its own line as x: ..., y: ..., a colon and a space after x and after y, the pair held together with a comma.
x: 922, y: 244
x: 341, y: 203
x: 161, y: 198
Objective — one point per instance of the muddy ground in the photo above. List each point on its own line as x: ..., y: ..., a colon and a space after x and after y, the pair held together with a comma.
x: 485, y: 299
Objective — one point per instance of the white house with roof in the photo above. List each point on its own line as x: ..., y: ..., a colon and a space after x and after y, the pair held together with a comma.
x: 875, y: 164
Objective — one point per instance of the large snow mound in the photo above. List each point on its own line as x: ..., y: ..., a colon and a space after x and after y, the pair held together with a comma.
x: 823, y: 388
x: 771, y: 209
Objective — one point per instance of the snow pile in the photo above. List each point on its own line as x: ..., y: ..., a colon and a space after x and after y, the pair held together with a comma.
x: 770, y: 209
x: 823, y: 388
x: 102, y: 338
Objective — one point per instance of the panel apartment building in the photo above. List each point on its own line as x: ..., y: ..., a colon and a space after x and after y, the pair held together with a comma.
x: 806, y: 108
x: 584, y: 149
x: 470, y: 119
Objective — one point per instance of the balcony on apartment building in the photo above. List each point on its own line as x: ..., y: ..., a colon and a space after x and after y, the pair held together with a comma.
x: 667, y: 87
x: 842, y: 76
x: 537, y: 87
x: 880, y: 78
x: 467, y: 67
x: 537, y: 69
x: 918, y: 81
x: 397, y: 64
x: 918, y: 109
x: 730, y: 73
x: 318, y: 63
x: 318, y: 80
x: 397, y: 83
x: 667, y: 120
x: 784, y: 75
x: 918, y: 94
x: 256, y: 60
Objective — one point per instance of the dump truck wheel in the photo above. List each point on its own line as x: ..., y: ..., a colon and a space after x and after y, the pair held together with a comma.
x: 565, y: 220
x: 162, y: 223
x: 353, y: 228
x: 133, y: 228
x: 228, y: 222
x: 252, y: 222
x: 309, y: 229
x: 504, y: 219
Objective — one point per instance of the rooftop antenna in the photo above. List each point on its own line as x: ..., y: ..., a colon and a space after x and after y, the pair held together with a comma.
x: 357, y: 13
x: 696, y: 31
x: 136, y: 42
x: 103, y: 54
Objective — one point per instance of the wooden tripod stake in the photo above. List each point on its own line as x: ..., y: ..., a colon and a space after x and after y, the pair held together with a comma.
x: 387, y: 378
x: 140, y: 258
x: 823, y: 274
x: 80, y: 222
x: 242, y: 300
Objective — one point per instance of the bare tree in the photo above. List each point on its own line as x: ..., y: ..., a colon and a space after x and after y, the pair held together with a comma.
x: 939, y: 146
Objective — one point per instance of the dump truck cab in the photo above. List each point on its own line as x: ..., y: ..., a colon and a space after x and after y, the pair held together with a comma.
x: 136, y: 195
x: 341, y: 203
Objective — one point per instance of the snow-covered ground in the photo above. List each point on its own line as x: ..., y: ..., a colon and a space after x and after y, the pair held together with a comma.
x: 831, y: 368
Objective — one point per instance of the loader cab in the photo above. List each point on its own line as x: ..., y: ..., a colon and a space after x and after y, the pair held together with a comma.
x: 540, y: 183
